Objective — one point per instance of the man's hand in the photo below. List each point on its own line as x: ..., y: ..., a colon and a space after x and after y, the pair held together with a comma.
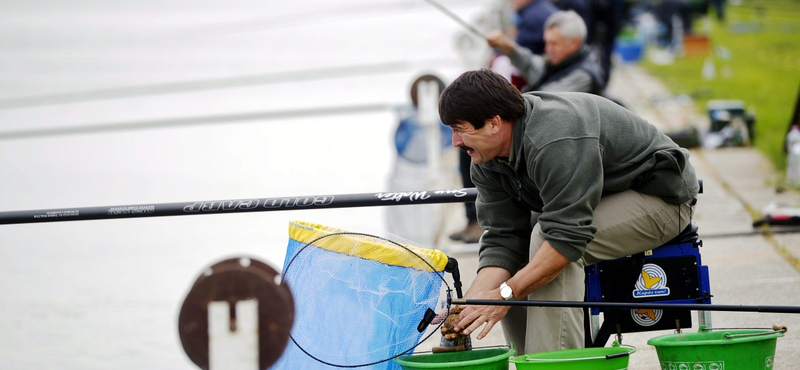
x: 545, y: 265
x: 472, y: 317
x: 501, y: 42
x: 448, y: 331
x: 485, y: 286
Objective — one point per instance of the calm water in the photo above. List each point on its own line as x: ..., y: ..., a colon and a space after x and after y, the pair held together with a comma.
x: 106, y: 294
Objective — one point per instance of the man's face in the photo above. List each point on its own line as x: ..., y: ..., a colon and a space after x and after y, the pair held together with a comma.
x: 482, y: 144
x: 557, y: 47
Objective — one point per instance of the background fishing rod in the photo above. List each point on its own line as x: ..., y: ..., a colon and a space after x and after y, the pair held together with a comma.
x: 759, y: 231
x: 623, y: 305
x: 194, y: 121
x: 176, y: 87
x: 241, y: 205
x: 458, y: 19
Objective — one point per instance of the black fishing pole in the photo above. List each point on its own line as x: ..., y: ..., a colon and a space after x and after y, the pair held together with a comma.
x: 769, y: 231
x: 630, y: 306
x: 211, y: 207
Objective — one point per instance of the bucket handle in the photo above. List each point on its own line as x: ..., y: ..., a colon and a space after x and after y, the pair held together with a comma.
x: 728, y: 336
x: 631, y: 348
x: 774, y: 329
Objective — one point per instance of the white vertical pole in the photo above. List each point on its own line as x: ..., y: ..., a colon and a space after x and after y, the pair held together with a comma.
x: 428, y: 114
x: 428, y: 111
x: 233, y: 349
x: 704, y: 318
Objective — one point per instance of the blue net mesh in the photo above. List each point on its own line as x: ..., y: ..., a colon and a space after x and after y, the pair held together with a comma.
x: 359, y: 298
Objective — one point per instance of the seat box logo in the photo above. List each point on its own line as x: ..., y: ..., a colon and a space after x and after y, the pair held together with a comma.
x: 646, y: 316
x: 651, y: 283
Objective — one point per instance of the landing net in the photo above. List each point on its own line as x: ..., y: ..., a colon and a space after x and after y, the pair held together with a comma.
x: 361, y: 299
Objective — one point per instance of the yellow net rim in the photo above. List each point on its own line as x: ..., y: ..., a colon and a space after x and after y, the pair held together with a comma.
x: 372, y: 249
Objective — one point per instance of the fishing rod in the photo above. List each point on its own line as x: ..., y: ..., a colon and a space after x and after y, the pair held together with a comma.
x: 456, y: 18
x: 197, y: 120
x: 211, y: 207
x: 216, y: 83
x: 766, y: 232
x: 630, y: 306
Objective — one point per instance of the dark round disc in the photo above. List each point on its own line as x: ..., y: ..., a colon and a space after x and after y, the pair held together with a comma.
x: 234, y: 280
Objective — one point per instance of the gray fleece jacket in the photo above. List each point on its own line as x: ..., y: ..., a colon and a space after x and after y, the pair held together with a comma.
x: 568, y: 151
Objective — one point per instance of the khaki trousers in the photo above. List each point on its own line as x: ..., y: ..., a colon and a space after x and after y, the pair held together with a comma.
x: 627, y: 223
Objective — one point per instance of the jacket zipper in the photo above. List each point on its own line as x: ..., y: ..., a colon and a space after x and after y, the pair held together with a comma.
x: 513, y: 174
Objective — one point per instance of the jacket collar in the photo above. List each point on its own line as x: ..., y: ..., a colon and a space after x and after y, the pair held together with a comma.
x: 577, y: 56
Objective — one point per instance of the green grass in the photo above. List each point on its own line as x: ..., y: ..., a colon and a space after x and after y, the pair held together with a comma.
x: 763, y: 69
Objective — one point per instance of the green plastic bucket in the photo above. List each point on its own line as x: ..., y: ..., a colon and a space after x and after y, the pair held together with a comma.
x: 476, y: 359
x: 598, y: 358
x: 728, y: 349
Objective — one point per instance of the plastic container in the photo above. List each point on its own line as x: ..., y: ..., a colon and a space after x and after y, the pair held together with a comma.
x: 410, y: 138
x: 476, y: 359
x: 599, y: 358
x: 729, y: 349
x: 630, y: 50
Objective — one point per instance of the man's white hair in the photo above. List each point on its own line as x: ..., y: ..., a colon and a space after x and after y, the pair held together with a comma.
x: 570, y: 23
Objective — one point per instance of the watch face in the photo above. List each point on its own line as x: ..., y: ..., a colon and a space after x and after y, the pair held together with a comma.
x: 505, y: 292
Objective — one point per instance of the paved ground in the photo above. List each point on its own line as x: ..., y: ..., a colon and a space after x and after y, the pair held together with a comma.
x: 738, y: 184
x: 746, y: 268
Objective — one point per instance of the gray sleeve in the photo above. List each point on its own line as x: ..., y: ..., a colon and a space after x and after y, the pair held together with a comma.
x: 530, y: 65
x: 579, y: 80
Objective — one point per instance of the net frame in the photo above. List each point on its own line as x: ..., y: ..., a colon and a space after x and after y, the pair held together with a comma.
x: 438, y: 272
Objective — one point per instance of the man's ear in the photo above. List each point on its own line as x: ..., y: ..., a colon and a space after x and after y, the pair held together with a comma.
x: 494, y: 122
x: 576, y: 43
x: 497, y: 123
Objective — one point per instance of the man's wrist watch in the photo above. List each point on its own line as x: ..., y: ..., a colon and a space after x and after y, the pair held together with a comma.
x: 506, y: 292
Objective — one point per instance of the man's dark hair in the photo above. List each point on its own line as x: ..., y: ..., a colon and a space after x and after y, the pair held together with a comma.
x: 476, y: 96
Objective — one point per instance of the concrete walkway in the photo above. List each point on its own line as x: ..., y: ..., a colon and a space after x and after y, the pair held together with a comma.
x: 746, y: 268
